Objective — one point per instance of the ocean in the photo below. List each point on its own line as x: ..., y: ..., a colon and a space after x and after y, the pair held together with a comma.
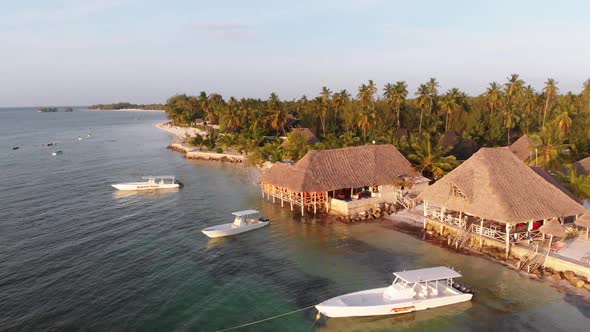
x: 77, y: 255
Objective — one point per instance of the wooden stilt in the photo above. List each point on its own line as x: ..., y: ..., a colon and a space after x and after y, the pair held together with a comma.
x: 481, y: 233
x: 507, y: 240
x: 315, y: 199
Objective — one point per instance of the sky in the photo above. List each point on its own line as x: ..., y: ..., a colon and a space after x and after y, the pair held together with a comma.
x: 81, y: 52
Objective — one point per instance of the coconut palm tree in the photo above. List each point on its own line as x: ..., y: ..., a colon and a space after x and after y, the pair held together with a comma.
x: 513, y: 89
x: 551, y: 149
x: 396, y: 97
x: 447, y: 105
x: 278, y: 114
x: 365, y: 121
x: 510, y: 120
x: 529, y: 104
x: 578, y: 185
x: 564, y: 124
x: 324, y: 107
x: 433, y: 160
x: 423, y: 101
x: 493, y: 96
x: 551, y: 92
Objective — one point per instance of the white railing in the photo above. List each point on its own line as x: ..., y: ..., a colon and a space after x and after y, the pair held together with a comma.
x: 489, y: 232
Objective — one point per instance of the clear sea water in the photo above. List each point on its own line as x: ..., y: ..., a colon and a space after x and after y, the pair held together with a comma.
x: 77, y: 255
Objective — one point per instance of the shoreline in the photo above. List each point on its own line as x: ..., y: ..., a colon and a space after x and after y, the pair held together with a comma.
x: 411, y: 224
x: 126, y: 110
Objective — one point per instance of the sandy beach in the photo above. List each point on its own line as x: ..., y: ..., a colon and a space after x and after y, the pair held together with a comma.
x: 126, y: 110
x: 180, y: 132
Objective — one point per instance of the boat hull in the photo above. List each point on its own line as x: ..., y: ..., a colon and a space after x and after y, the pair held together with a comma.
x: 144, y: 186
x: 227, y: 229
x: 336, y: 308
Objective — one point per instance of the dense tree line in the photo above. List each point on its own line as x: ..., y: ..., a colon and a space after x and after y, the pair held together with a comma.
x: 125, y: 105
x: 417, y: 124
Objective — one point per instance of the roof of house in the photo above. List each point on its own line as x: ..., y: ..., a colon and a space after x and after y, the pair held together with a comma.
x: 307, y: 133
x: 583, y: 166
x: 523, y: 147
x: 494, y: 184
x: 353, y: 167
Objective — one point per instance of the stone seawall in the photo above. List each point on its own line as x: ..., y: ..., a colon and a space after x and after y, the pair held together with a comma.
x: 192, y: 153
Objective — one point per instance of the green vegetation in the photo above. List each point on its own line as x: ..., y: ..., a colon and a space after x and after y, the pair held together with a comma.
x: 502, y: 113
x: 125, y: 105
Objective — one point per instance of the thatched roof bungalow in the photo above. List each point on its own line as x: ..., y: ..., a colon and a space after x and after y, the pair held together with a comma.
x: 494, y: 188
x: 523, y: 148
x: 583, y: 166
x: 341, y: 174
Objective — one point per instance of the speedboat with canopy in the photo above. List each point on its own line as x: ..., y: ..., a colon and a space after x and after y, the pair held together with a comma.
x: 152, y: 183
x: 410, y: 291
x: 244, y: 221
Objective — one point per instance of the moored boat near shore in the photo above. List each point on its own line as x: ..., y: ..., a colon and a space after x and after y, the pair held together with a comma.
x: 152, y: 183
x: 410, y: 291
x: 245, y: 221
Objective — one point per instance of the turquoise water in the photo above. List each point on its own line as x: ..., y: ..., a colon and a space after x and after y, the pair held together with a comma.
x: 77, y: 255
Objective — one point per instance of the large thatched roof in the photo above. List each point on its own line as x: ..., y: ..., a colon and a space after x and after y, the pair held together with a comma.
x: 523, y: 148
x: 583, y: 166
x: 496, y: 185
x: 326, y: 170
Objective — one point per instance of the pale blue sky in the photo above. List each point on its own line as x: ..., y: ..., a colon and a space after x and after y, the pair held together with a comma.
x: 58, y: 52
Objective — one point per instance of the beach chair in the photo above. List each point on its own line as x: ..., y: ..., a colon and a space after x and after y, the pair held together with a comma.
x: 557, y: 246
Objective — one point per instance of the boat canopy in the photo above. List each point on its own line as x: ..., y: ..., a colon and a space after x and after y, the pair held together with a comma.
x: 245, y: 213
x: 428, y: 274
x: 158, y: 177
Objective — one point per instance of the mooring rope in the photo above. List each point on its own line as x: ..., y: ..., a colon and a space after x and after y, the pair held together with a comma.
x: 264, y: 320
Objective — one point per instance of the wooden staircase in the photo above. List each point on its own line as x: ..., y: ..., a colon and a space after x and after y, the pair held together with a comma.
x: 406, y: 202
x: 462, y: 238
x: 535, y: 260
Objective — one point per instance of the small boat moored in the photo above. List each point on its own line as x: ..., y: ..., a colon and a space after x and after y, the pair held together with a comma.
x: 410, y: 291
x: 244, y: 221
x: 55, y: 153
x: 152, y: 183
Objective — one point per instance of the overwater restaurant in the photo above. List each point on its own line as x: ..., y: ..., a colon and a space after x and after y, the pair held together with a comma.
x: 495, y: 195
x: 343, y: 181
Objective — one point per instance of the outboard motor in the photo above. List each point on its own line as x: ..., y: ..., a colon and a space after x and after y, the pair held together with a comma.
x: 180, y: 184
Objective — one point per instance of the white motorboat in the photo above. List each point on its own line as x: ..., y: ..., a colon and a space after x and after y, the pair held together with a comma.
x: 56, y: 153
x: 152, y: 183
x: 244, y: 221
x: 410, y: 291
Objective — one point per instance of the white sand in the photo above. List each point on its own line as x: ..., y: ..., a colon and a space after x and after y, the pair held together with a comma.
x: 126, y: 110
x: 181, y: 132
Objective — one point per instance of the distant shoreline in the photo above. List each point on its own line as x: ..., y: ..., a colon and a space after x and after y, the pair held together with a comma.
x: 125, y: 110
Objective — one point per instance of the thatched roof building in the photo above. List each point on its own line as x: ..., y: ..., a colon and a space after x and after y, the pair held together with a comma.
x: 523, y: 148
x: 307, y: 133
x: 496, y: 185
x: 583, y: 166
x: 353, y: 167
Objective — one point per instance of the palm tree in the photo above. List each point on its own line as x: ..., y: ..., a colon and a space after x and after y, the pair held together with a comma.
x: 578, y: 185
x: 529, y: 105
x: 510, y: 120
x: 339, y: 101
x: 433, y: 160
x: 551, y: 92
x: 550, y: 151
x: 396, y: 97
x: 513, y: 88
x: 365, y: 121
x: 278, y: 114
x: 564, y: 124
x: 231, y: 117
x: 493, y: 96
x: 424, y: 102
x: 205, y: 105
x: 447, y: 104
x: 324, y: 111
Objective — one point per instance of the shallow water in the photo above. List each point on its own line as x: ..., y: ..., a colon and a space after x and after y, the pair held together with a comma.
x: 75, y: 254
